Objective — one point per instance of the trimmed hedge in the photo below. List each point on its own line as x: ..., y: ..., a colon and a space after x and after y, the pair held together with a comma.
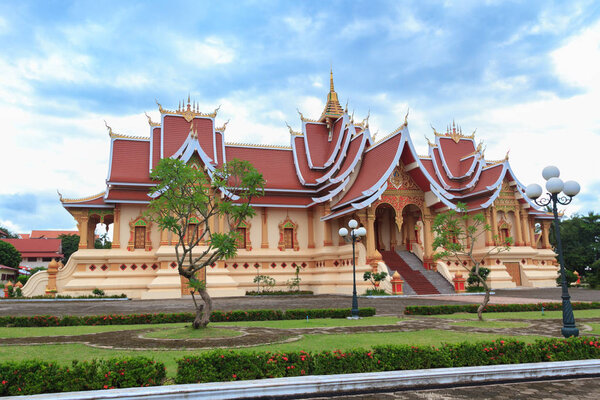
x: 472, y: 308
x: 216, y: 316
x: 34, y: 376
x: 219, y: 365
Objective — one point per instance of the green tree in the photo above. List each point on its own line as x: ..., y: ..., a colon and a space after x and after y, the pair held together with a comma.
x: 186, y: 195
x: 69, y: 244
x: 102, y: 242
x: 9, y: 256
x: 7, y: 233
x: 580, y: 236
x: 453, y: 229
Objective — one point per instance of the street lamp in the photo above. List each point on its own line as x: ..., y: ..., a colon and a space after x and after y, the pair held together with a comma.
x: 554, y: 185
x: 355, y: 233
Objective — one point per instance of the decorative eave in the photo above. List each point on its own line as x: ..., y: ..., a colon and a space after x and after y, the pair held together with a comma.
x: 455, y: 133
x: 82, y: 199
x: 114, y: 135
x: 255, y: 145
x: 293, y: 132
x: 222, y: 128
x: 188, y: 112
x: 150, y: 122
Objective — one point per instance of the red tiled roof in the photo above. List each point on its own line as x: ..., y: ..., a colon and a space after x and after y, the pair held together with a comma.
x: 310, y: 176
x: 50, y: 234
x: 219, y: 144
x: 130, y: 161
x: 316, y: 137
x: 96, y: 201
x: 36, y: 247
x: 452, y: 152
x: 24, y: 235
x: 355, y: 149
x: 155, y: 146
x: 282, y: 200
x: 376, y: 161
x: 116, y: 195
x: 276, y: 165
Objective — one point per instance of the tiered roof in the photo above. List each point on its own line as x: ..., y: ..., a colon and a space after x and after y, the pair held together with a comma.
x: 331, y: 160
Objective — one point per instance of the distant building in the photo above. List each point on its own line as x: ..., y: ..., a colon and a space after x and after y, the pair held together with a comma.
x: 37, y: 252
x: 7, y: 273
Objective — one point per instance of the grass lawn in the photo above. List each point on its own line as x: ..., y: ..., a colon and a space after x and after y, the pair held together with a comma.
x: 75, y: 330
x: 492, y: 324
x: 520, y: 315
x: 64, y: 354
x: 595, y: 329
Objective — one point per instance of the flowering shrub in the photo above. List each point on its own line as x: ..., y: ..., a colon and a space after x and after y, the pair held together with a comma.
x: 34, y: 376
x: 216, y: 316
x: 219, y: 365
x: 472, y: 308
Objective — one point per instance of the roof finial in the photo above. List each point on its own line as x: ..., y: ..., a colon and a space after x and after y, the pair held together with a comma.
x: 331, y: 80
x: 59, y: 195
x: 110, y: 131
x: 406, y: 116
x: 346, y: 108
x: 188, y: 104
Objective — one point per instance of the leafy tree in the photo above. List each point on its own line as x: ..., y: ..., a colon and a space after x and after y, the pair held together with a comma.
x: 9, y: 256
x: 474, y: 282
x: 452, y: 237
x: 187, y: 195
x: 580, y: 236
x: 102, y: 242
x: 5, y: 232
x: 69, y: 244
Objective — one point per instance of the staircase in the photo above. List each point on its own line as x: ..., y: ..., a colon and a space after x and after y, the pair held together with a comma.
x: 414, y: 274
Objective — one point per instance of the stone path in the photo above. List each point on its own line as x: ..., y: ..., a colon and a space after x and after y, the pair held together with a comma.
x: 254, y: 336
x: 580, y: 389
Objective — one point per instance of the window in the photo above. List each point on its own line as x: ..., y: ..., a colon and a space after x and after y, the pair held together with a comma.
x: 288, y: 238
x: 140, y: 240
x: 33, y: 259
x: 241, y: 241
x: 47, y: 259
x: 3, y: 277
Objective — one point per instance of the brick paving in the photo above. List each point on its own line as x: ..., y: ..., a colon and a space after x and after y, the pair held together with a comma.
x: 581, y: 389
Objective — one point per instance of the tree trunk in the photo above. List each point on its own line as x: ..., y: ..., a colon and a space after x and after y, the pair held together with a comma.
x: 207, y: 309
x: 486, y: 300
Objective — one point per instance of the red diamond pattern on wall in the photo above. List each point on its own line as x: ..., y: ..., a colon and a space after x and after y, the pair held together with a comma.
x: 123, y: 267
x: 154, y: 267
x: 336, y: 263
x: 273, y: 265
x: 235, y: 265
x: 144, y: 267
x: 246, y: 265
x: 104, y: 267
x: 303, y: 265
x: 134, y: 267
x: 173, y: 265
x: 92, y: 267
x: 283, y: 265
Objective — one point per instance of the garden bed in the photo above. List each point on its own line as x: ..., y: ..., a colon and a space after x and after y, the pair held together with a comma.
x: 280, y: 293
x: 491, y: 308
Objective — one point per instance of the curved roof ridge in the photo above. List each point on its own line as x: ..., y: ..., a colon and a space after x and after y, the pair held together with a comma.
x: 78, y: 200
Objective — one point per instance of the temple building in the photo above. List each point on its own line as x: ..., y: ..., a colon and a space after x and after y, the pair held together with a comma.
x: 333, y: 170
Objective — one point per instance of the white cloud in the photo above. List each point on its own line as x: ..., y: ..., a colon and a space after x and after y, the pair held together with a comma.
x: 204, y: 53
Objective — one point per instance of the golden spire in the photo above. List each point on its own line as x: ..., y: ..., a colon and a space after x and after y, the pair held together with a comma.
x: 333, y: 109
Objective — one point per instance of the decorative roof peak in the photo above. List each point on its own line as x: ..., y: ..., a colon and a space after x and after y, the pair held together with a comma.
x: 454, y: 132
x: 333, y: 109
x: 188, y: 111
x: 150, y: 122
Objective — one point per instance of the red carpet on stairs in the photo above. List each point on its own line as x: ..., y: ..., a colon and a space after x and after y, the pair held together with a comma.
x: 417, y: 281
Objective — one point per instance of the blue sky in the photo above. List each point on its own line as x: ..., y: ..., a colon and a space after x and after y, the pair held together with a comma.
x: 526, y: 75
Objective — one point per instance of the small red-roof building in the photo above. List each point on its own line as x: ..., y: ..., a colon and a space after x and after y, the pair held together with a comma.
x: 37, y: 252
x: 333, y: 170
x: 51, y: 234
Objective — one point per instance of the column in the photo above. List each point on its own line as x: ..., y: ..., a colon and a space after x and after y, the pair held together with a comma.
x: 327, y: 228
x: 531, y: 226
x: 525, y: 228
x: 264, y: 242
x: 311, y: 231
x: 494, y: 226
x: 116, y: 242
x: 428, y: 240
x: 488, y: 233
x: 546, y: 234
x: 370, y: 232
x: 164, y: 237
x: 82, y: 224
x: 518, y: 229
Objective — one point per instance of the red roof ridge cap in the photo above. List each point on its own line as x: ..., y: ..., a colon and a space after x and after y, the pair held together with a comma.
x: 255, y: 145
x: 93, y: 197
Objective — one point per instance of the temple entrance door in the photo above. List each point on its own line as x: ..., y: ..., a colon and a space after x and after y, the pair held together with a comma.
x: 386, y: 230
x: 411, y: 227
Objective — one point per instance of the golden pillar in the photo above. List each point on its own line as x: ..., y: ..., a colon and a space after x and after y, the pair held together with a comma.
x: 494, y: 225
x: 116, y: 242
x: 164, y: 237
x: 327, y: 228
x: 546, y: 234
x: 370, y: 232
x: 489, y: 240
x: 531, y: 225
x: 82, y: 224
x: 264, y: 243
x: 52, y: 271
x: 311, y: 231
x: 525, y: 228
x: 428, y: 240
x: 519, y: 231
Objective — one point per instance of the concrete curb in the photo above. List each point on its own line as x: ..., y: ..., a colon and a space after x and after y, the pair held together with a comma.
x: 57, y: 300
x: 319, y: 385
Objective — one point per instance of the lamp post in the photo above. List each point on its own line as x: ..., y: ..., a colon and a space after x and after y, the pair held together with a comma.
x: 555, y: 186
x: 355, y: 233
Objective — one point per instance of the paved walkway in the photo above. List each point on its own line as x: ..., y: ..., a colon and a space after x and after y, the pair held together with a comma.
x: 384, y: 306
x: 580, y: 389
